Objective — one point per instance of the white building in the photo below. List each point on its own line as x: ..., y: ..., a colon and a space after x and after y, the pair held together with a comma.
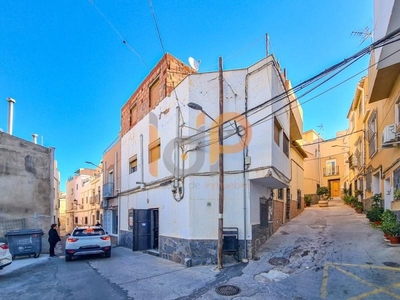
x: 169, y: 199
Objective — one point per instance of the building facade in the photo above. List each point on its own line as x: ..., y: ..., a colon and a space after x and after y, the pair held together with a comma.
x: 170, y: 197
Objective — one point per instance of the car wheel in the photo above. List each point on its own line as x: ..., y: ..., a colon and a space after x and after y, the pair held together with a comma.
x: 68, y: 258
x: 36, y: 255
x: 108, y: 254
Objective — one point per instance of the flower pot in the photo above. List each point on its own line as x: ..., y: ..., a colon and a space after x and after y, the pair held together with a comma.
x: 378, y: 223
x: 359, y: 210
x: 394, y: 239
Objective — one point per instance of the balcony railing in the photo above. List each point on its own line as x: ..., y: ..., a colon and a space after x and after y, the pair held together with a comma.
x: 331, y: 171
x: 108, y: 190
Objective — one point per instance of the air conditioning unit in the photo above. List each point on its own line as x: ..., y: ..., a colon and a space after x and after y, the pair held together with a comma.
x: 389, y: 134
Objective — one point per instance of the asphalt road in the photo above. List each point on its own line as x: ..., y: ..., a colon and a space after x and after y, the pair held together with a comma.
x: 325, y: 253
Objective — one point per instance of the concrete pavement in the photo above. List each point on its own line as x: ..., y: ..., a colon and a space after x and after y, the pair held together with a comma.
x: 325, y: 253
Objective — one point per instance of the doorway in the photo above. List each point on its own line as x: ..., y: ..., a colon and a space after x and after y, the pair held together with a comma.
x: 145, y: 229
x: 334, y: 187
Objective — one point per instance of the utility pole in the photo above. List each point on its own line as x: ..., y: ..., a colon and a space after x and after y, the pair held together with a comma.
x: 221, y: 167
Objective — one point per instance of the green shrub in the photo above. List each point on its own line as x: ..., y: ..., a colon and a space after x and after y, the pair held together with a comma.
x: 375, y: 214
x: 391, y: 228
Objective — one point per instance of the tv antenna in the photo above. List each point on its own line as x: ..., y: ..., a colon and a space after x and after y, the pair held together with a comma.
x: 195, y: 64
x: 321, y: 128
x: 364, y: 35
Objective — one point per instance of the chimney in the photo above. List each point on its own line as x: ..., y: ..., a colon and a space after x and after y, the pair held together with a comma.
x: 34, y: 138
x: 11, y: 102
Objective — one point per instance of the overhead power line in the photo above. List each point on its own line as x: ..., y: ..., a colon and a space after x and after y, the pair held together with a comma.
x: 117, y: 32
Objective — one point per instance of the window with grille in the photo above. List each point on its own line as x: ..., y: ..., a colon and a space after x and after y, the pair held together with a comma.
x: 154, y: 151
x: 280, y: 194
x: 133, y: 164
x: 298, y: 199
x: 372, y: 134
x: 368, y: 180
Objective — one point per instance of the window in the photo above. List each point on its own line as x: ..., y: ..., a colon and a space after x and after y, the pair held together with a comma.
x: 397, y: 111
x: 285, y: 145
x: 97, y: 215
x: 86, y: 220
x: 298, y: 199
x: 76, y: 220
x: 277, y: 131
x: 396, y: 178
x: 331, y: 167
x: 72, y: 191
x: 358, y: 153
x: 372, y: 134
x: 154, y: 92
x: 368, y: 179
x: 133, y: 115
x: 133, y: 164
x: 280, y: 194
x: 154, y: 151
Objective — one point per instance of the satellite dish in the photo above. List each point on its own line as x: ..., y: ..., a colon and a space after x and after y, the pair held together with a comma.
x: 193, y: 63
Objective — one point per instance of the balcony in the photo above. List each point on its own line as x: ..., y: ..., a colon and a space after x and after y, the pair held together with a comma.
x: 108, y: 190
x: 331, y: 171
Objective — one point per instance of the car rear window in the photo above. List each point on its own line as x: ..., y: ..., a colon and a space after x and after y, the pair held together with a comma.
x: 88, y: 232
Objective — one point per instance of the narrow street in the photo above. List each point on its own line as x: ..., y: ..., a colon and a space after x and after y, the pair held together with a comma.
x: 325, y: 253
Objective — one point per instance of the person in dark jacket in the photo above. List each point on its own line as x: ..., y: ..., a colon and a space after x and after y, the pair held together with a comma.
x: 54, y: 238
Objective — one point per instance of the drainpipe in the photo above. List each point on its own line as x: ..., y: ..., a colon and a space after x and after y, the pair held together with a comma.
x: 11, y: 102
x: 141, y: 159
x: 176, y: 183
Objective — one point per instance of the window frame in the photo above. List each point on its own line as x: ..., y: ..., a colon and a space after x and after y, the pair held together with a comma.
x: 277, y: 132
x: 152, y: 86
x: 131, y: 160
x: 372, y: 134
x: 153, y: 145
x: 133, y: 114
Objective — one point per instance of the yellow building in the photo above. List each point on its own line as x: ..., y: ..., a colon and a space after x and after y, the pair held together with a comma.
x: 325, y: 163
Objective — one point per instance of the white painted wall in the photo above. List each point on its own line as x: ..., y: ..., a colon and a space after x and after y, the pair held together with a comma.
x: 196, y: 215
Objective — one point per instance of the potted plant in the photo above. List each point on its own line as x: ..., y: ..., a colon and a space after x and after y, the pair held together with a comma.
x: 308, y: 200
x: 374, y: 215
x: 392, y: 229
x: 358, y: 206
x: 396, y: 194
x: 323, y: 192
x: 389, y: 221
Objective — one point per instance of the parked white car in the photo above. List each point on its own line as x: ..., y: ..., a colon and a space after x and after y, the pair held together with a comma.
x: 87, y: 240
x: 5, y: 255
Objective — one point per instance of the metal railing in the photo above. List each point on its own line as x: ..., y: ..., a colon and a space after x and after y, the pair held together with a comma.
x: 331, y: 171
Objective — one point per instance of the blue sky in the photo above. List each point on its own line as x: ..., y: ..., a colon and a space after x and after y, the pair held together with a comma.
x: 66, y: 66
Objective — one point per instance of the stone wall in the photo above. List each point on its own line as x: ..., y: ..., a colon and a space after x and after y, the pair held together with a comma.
x: 27, y: 182
x: 126, y: 239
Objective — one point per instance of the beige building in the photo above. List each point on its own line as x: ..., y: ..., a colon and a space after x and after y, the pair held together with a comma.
x: 324, y: 165
x: 83, y: 197
x: 374, y: 117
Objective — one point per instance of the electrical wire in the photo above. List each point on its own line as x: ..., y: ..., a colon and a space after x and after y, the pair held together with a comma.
x: 156, y: 24
x: 283, y: 95
x: 118, y: 33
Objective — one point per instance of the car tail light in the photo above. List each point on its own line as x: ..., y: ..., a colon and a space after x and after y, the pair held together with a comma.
x: 72, y: 240
x: 105, y: 238
x: 4, y: 247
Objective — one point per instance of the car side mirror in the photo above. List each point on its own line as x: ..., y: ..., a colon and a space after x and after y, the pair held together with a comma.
x: 106, y: 232
x: 68, y: 234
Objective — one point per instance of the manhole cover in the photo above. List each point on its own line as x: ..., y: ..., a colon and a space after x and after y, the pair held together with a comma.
x: 279, y: 261
x: 391, y: 264
x: 227, y: 290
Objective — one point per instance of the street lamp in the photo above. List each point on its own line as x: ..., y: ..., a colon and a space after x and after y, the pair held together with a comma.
x: 196, y: 106
x: 90, y: 163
